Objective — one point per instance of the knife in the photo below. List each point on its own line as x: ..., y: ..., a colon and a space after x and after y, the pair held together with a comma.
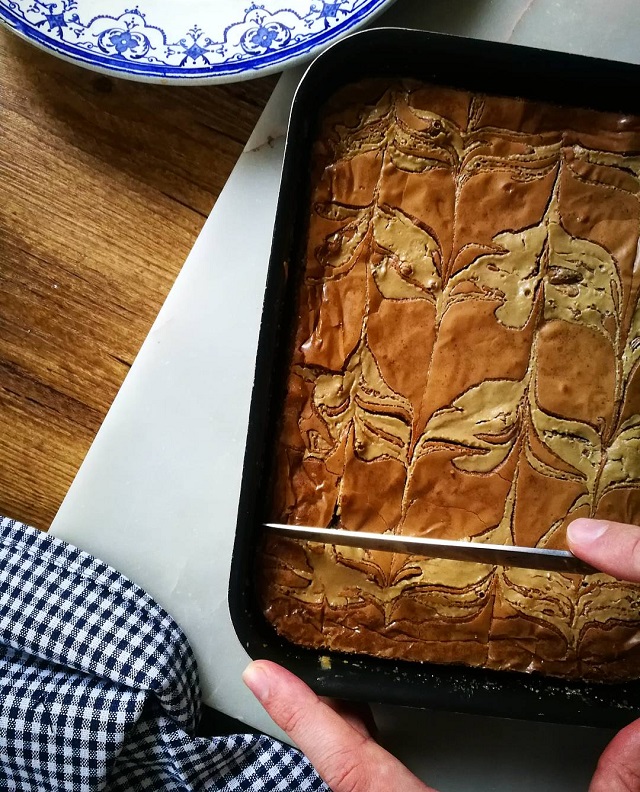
x: 477, y: 552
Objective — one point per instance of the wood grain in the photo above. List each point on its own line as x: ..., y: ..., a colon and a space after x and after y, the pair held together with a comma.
x: 104, y: 186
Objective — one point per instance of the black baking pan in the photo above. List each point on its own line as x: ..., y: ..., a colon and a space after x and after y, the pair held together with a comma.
x: 460, y: 63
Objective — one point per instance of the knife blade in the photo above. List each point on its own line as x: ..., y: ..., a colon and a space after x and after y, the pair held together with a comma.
x: 476, y: 552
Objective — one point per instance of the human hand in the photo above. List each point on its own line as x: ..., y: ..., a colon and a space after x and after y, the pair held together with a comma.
x: 337, y: 741
x: 614, y: 548
x: 340, y: 746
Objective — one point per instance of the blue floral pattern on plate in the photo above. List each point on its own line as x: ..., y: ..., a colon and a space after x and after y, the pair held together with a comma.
x: 153, y: 41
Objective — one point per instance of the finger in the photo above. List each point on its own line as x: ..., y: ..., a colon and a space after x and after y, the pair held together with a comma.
x: 357, y: 715
x: 346, y: 760
x: 619, y: 766
x: 612, y: 547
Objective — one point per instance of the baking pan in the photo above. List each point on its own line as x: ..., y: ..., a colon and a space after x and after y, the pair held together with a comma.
x: 459, y: 63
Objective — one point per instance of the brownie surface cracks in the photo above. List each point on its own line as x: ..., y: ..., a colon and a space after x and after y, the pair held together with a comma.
x: 465, y: 365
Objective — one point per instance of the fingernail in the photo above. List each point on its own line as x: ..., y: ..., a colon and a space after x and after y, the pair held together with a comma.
x: 257, y: 680
x: 585, y: 531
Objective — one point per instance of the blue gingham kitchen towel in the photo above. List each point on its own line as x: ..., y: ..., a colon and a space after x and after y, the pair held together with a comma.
x: 99, y: 688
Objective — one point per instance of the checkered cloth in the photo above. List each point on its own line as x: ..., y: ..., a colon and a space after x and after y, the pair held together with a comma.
x: 99, y: 687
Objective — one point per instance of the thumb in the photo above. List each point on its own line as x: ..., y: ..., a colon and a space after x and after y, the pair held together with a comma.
x: 619, y: 766
x: 612, y: 547
x: 346, y: 758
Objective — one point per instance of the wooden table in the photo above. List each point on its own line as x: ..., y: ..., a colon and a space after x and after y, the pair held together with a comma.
x: 105, y: 185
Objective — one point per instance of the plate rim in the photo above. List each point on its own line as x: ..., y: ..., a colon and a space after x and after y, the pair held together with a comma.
x: 226, y: 72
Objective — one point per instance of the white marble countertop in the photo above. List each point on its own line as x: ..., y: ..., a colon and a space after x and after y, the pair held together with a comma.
x: 157, y: 494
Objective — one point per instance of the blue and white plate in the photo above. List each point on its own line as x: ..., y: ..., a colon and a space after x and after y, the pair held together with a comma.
x: 186, y: 41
